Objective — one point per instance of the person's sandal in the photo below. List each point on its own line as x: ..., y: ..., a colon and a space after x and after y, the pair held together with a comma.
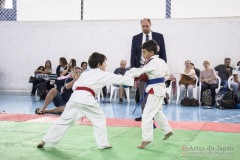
x: 37, y: 111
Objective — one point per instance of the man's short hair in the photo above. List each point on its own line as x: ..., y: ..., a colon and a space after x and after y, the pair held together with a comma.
x: 149, y: 21
x: 95, y: 59
x: 227, y: 59
x: 150, y: 45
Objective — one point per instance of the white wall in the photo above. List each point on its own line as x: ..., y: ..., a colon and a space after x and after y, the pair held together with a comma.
x: 26, y: 45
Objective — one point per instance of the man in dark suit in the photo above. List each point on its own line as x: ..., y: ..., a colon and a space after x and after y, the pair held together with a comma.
x: 136, y: 53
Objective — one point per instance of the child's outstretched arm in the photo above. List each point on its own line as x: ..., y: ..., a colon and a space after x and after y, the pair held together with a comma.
x: 136, y: 72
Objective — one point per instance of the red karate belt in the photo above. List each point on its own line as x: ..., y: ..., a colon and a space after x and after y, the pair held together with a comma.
x: 86, y: 89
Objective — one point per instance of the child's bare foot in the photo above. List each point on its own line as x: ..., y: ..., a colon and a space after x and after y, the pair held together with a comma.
x: 41, y: 144
x: 143, y: 144
x: 167, y: 135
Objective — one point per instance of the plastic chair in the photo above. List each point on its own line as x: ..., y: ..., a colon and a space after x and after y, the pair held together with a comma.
x: 230, y: 80
x: 169, y: 91
x: 115, y: 89
x: 219, y: 84
x: 217, y: 89
x: 100, y: 94
x: 178, y: 88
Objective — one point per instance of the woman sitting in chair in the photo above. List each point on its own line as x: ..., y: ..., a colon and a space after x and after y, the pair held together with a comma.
x: 187, y: 80
x: 208, y: 80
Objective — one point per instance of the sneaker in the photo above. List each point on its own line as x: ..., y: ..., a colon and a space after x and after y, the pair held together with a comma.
x: 166, y: 101
x: 138, y: 119
x: 120, y: 101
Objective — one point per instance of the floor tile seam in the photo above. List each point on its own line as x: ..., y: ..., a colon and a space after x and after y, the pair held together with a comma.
x: 198, y: 132
x: 227, y: 118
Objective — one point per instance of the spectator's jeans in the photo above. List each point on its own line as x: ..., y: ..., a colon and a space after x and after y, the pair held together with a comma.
x: 189, y: 90
x: 212, y: 88
x: 235, y: 87
x: 224, y: 83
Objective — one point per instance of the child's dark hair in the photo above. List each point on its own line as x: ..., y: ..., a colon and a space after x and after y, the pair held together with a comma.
x: 40, y: 67
x: 83, y: 63
x: 95, y: 59
x: 150, y: 45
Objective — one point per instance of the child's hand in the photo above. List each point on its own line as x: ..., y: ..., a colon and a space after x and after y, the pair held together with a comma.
x: 135, y: 84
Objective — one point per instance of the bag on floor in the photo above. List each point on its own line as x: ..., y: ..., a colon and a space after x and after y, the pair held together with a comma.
x: 42, y: 90
x: 218, y: 98
x: 207, y: 98
x: 229, y: 100
x: 189, y: 102
x: 32, y: 79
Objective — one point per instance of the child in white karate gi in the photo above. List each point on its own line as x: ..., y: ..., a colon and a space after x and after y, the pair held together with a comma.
x: 157, y: 72
x: 83, y: 103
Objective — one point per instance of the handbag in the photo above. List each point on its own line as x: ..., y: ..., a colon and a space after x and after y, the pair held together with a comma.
x: 32, y: 79
x: 186, y: 80
x: 189, y: 102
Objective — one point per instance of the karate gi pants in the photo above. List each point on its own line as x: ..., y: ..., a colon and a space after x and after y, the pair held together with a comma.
x: 72, y: 113
x: 153, y: 109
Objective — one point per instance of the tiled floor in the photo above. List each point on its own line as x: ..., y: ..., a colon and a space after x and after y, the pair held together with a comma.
x: 23, y: 103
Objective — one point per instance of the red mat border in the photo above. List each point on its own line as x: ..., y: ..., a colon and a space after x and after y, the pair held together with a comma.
x: 205, y: 126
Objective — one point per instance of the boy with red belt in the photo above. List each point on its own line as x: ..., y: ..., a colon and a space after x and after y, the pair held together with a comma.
x: 83, y: 103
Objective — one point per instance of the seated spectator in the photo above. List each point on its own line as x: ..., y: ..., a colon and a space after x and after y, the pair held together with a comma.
x: 36, y: 81
x: 42, y: 75
x: 84, y: 66
x: 61, y: 66
x: 197, y: 71
x: 65, y: 74
x: 208, y: 80
x: 236, y: 80
x: 58, y: 99
x: 48, y: 71
x: 121, y: 70
x: 224, y: 71
x: 187, y: 81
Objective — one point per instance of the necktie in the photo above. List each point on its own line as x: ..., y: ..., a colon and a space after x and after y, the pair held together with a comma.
x: 147, y: 37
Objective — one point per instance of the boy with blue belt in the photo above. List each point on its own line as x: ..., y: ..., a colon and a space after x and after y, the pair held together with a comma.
x: 156, y: 71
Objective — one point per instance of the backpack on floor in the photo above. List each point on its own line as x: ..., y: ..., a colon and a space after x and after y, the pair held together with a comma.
x: 189, y: 102
x: 218, y: 98
x: 229, y: 100
x: 207, y: 98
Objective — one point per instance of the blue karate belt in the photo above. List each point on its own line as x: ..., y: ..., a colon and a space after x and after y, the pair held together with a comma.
x: 151, y: 81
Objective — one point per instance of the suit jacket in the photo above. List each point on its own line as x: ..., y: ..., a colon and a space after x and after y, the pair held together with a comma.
x: 136, y: 51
